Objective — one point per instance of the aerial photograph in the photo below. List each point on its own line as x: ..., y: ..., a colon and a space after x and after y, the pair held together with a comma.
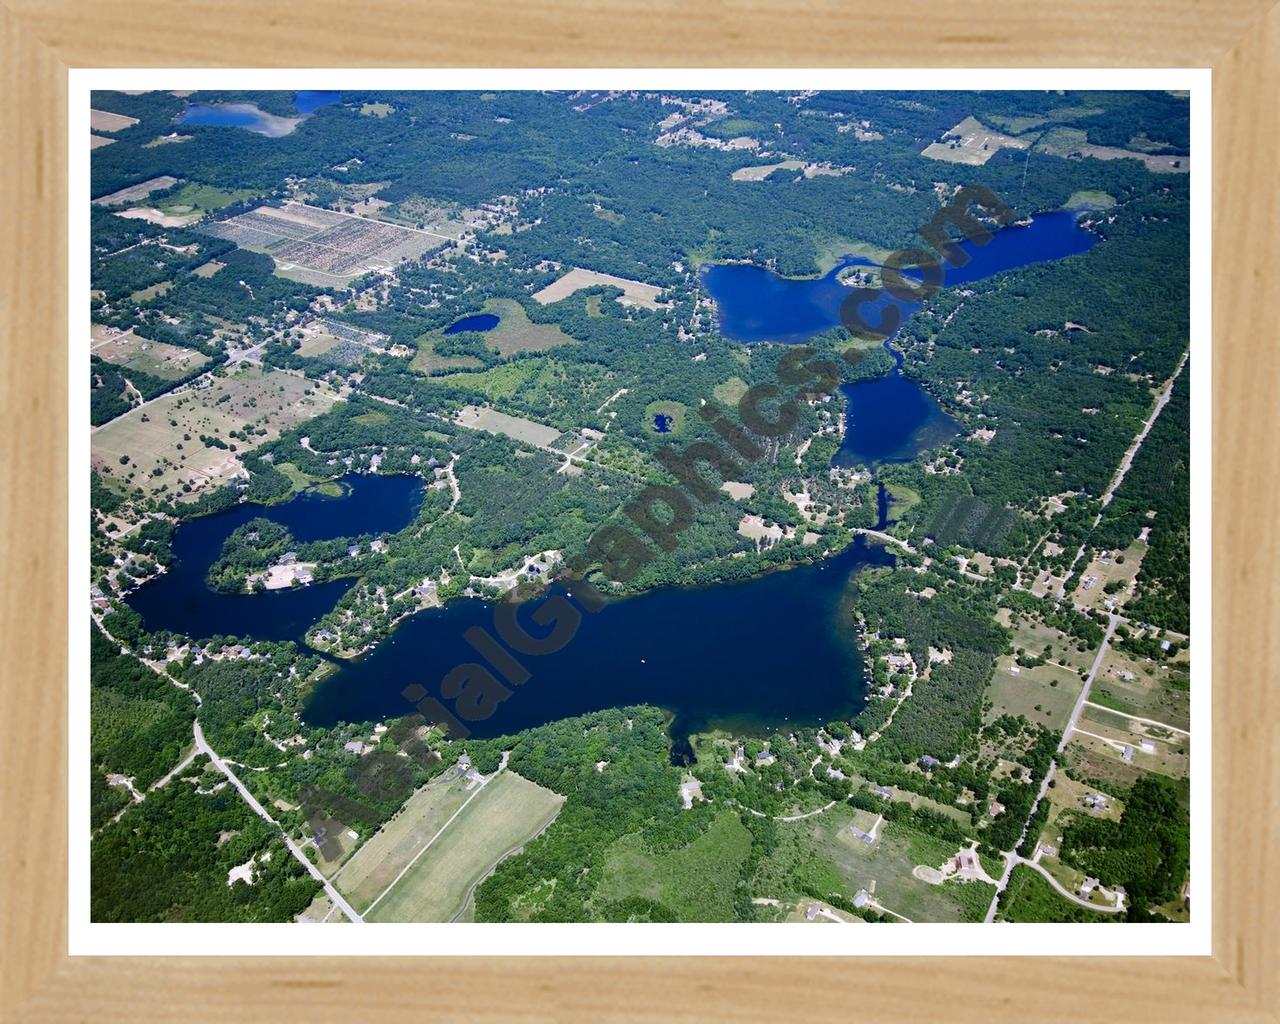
x: 638, y: 506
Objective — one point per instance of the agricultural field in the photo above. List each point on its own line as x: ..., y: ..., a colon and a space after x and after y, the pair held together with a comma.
x: 375, y: 865
x: 98, y: 141
x: 515, y: 427
x: 693, y: 883
x: 158, y: 446
x: 130, y: 351
x: 634, y: 293
x: 497, y: 820
x: 136, y: 193
x: 323, y: 247
x: 105, y: 121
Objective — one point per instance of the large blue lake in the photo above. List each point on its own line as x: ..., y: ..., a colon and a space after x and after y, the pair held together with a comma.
x: 180, y: 600
x: 890, y: 418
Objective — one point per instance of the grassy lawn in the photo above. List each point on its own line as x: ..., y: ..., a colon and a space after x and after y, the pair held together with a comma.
x: 694, y: 883
x: 505, y: 814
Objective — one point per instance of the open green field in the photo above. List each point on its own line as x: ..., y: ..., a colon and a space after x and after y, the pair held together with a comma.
x: 515, y: 427
x: 1045, y: 694
x: 388, y: 852
x: 729, y: 392
x: 674, y: 411
x: 202, y: 199
x: 147, y: 294
x: 1172, y: 750
x: 693, y: 883
x: 498, y: 382
x: 165, y: 434
x: 497, y: 820
x: 157, y: 358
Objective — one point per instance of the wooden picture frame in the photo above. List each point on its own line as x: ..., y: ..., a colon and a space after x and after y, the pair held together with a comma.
x: 41, y: 39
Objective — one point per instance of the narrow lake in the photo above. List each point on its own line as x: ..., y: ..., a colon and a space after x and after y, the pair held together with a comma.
x: 891, y: 418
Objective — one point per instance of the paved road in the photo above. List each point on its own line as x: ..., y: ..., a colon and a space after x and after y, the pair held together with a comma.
x: 1088, y: 682
x: 1011, y: 856
x: 333, y: 894
x: 888, y: 538
x: 1162, y: 399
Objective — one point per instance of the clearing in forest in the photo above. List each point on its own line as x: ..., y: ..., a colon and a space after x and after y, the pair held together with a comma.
x: 497, y: 820
x: 634, y: 293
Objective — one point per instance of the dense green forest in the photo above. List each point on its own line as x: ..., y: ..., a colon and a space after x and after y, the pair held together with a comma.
x: 168, y: 859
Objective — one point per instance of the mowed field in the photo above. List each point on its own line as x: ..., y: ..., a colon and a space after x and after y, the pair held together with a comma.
x: 160, y: 359
x: 376, y: 864
x: 499, y: 819
x: 974, y: 143
x: 151, y: 436
x: 635, y: 293
x: 105, y: 121
x: 134, y: 193
x: 515, y: 427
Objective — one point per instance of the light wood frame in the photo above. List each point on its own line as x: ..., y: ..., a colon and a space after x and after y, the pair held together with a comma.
x: 41, y: 39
